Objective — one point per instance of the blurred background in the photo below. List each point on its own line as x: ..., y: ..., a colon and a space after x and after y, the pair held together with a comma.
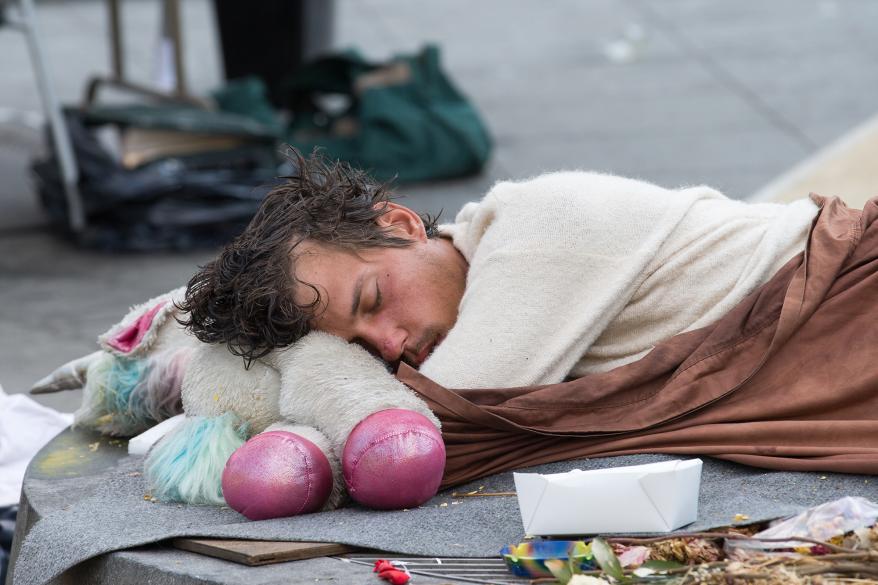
x: 763, y: 100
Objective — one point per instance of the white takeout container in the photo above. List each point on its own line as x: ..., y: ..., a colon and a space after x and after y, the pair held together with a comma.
x: 657, y: 497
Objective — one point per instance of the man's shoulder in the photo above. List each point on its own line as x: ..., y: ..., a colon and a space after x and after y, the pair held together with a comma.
x: 547, y: 183
x: 564, y: 208
x: 572, y: 188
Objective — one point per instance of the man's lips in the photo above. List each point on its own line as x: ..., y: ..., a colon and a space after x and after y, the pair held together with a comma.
x: 420, y: 354
x: 427, y: 349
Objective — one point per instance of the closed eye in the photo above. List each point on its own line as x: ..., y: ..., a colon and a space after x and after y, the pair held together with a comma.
x: 378, y: 299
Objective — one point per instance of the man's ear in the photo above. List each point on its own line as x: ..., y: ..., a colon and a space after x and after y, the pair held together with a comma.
x: 401, y: 221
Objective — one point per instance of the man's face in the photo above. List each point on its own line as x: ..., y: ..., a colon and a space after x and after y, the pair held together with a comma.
x: 399, y: 303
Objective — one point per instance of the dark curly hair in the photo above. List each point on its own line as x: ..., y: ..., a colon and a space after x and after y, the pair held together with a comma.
x: 244, y: 298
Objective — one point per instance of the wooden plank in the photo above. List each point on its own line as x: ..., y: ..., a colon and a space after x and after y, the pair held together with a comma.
x: 260, y: 552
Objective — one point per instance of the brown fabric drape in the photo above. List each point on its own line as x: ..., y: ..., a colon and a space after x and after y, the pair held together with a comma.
x: 786, y: 380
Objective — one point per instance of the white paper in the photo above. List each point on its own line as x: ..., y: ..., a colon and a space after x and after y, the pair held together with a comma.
x: 25, y: 426
x: 657, y: 497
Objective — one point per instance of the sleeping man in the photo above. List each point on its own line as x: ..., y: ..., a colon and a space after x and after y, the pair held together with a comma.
x: 542, y: 280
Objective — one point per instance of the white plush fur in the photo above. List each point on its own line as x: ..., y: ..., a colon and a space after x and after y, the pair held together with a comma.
x: 171, y: 335
x: 338, y: 496
x: 216, y: 383
x: 145, y: 345
x: 333, y: 385
x: 92, y: 407
x: 187, y: 464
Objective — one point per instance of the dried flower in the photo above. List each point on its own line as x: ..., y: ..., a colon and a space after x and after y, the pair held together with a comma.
x: 686, y: 551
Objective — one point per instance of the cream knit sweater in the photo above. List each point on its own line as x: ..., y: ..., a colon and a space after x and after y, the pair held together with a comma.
x: 573, y: 273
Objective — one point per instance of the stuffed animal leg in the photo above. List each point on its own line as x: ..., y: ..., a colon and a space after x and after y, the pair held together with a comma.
x: 283, y: 469
x: 387, y: 439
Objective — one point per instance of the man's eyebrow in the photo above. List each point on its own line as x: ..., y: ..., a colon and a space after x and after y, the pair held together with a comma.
x: 358, y: 290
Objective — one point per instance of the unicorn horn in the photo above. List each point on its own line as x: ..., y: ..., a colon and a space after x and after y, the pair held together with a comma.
x: 70, y: 376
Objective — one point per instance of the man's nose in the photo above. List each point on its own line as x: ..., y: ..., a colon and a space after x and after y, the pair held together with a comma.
x: 390, y: 344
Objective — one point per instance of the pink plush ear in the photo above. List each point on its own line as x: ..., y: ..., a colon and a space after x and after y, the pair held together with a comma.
x: 131, y: 336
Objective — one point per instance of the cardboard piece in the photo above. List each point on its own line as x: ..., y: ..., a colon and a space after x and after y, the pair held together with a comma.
x: 657, y: 497
x: 260, y: 552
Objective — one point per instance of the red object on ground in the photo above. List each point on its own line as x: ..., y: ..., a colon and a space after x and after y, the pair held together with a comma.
x: 388, y: 572
x: 381, y: 566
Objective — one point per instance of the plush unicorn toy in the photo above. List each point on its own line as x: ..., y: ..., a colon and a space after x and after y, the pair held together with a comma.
x: 293, y: 433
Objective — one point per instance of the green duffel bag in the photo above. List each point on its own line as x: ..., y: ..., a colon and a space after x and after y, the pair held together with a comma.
x: 402, y: 119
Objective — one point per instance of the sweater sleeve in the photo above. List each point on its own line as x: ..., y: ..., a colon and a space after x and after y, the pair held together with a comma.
x: 552, y: 261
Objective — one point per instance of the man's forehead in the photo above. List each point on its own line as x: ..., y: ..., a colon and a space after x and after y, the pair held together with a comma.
x: 321, y: 250
x: 321, y: 262
x: 331, y: 271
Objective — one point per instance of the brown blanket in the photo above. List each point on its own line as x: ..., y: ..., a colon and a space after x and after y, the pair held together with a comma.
x: 787, y: 380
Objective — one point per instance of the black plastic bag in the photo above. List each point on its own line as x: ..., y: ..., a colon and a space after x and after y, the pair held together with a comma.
x: 7, y: 532
x: 176, y: 202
